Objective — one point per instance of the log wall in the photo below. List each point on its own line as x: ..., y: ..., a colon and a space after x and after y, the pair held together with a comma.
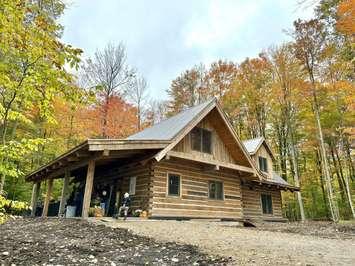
x: 194, y: 201
x: 143, y: 174
x: 252, y: 202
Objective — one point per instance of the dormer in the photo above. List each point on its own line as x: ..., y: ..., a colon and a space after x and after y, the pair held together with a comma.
x: 262, y: 154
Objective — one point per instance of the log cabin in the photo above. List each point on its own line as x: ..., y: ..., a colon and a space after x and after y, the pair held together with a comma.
x: 191, y: 165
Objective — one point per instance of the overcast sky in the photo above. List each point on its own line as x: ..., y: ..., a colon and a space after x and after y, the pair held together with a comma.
x: 165, y: 37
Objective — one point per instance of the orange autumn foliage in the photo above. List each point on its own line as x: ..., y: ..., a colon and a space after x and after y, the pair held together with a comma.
x: 346, y: 17
x: 121, y: 118
x: 79, y: 122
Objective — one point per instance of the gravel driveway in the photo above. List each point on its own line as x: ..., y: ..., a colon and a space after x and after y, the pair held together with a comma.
x: 248, y: 245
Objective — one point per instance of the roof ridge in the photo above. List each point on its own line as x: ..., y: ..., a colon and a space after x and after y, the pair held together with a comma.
x: 184, y: 111
x: 261, y: 137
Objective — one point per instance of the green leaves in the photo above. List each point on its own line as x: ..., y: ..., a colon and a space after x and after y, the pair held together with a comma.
x: 15, y: 152
x: 33, y: 73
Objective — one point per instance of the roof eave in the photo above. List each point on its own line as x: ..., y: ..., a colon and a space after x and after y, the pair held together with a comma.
x: 94, y: 145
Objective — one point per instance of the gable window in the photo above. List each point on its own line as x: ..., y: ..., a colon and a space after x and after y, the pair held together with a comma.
x: 266, y: 203
x: 215, y: 190
x: 201, y: 140
x: 173, y: 185
x: 263, y: 164
x: 132, y: 185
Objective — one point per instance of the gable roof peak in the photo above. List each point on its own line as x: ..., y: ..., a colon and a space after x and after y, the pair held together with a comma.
x: 253, y: 145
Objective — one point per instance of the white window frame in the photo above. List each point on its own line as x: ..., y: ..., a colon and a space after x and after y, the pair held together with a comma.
x: 132, y: 185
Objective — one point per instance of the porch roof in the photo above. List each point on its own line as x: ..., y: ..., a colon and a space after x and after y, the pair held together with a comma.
x: 98, y: 149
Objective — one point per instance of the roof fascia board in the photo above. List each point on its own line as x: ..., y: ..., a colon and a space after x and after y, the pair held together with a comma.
x: 129, y: 145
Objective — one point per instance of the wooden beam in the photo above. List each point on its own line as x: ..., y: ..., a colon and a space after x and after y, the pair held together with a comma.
x: 187, y: 156
x: 106, y: 152
x: 35, y: 192
x: 48, y: 197
x: 63, y: 199
x: 82, y: 154
x: 72, y: 159
x: 126, y: 146
x: 88, y: 188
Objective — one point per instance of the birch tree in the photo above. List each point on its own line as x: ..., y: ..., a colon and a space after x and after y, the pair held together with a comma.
x: 310, y: 44
x: 287, y: 76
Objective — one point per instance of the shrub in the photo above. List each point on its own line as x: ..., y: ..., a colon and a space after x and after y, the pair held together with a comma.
x: 2, y: 210
x: 12, y: 207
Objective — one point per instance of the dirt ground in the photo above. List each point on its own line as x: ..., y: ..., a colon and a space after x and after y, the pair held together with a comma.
x: 318, y: 243
x: 77, y: 242
x: 137, y: 242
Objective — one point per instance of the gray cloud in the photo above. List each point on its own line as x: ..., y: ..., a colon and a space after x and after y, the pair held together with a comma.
x: 163, y: 38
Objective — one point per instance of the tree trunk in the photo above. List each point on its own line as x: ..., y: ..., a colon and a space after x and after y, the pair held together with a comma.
x: 297, y: 180
x: 105, y: 117
x: 319, y: 167
x: 334, y: 211
x: 349, y: 196
x: 138, y: 118
x: 337, y: 173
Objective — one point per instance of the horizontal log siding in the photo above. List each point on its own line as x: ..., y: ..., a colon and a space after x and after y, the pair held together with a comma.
x: 252, y: 203
x: 193, y: 201
x: 143, y: 189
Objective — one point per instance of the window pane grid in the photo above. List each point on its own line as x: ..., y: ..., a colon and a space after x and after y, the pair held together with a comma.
x: 263, y: 164
x: 266, y: 203
x: 215, y: 190
x: 201, y: 140
x: 174, y: 185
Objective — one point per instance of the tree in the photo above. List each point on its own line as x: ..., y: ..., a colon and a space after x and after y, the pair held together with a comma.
x: 248, y: 92
x: 137, y: 94
x: 345, y: 14
x: 220, y: 77
x: 310, y: 44
x: 32, y: 71
x: 287, y: 74
x: 188, y: 89
x: 109, y: 73
x: 121, y: 118
x: 157, y: 111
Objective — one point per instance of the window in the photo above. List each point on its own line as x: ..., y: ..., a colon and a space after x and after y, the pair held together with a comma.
x: 266, y: 203
x: 132, y: 185
x: 201, y: 140
x: 215, y: 190
x: 263, y: 164
x: 173, y: 185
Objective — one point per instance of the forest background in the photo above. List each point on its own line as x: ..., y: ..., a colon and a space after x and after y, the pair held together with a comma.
x: 299, y: 95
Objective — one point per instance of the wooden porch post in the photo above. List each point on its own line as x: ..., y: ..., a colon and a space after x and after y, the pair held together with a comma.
x: 48, y: 197
x: 88, y: 188
x: 35, y: 192
x: 63, y: 199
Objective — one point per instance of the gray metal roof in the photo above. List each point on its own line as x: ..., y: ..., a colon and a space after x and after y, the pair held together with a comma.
x: 252, y: 144
x: 169, y: 128
x: 278, y: 179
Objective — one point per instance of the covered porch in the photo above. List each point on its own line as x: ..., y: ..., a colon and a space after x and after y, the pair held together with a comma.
x: 96, y: 170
